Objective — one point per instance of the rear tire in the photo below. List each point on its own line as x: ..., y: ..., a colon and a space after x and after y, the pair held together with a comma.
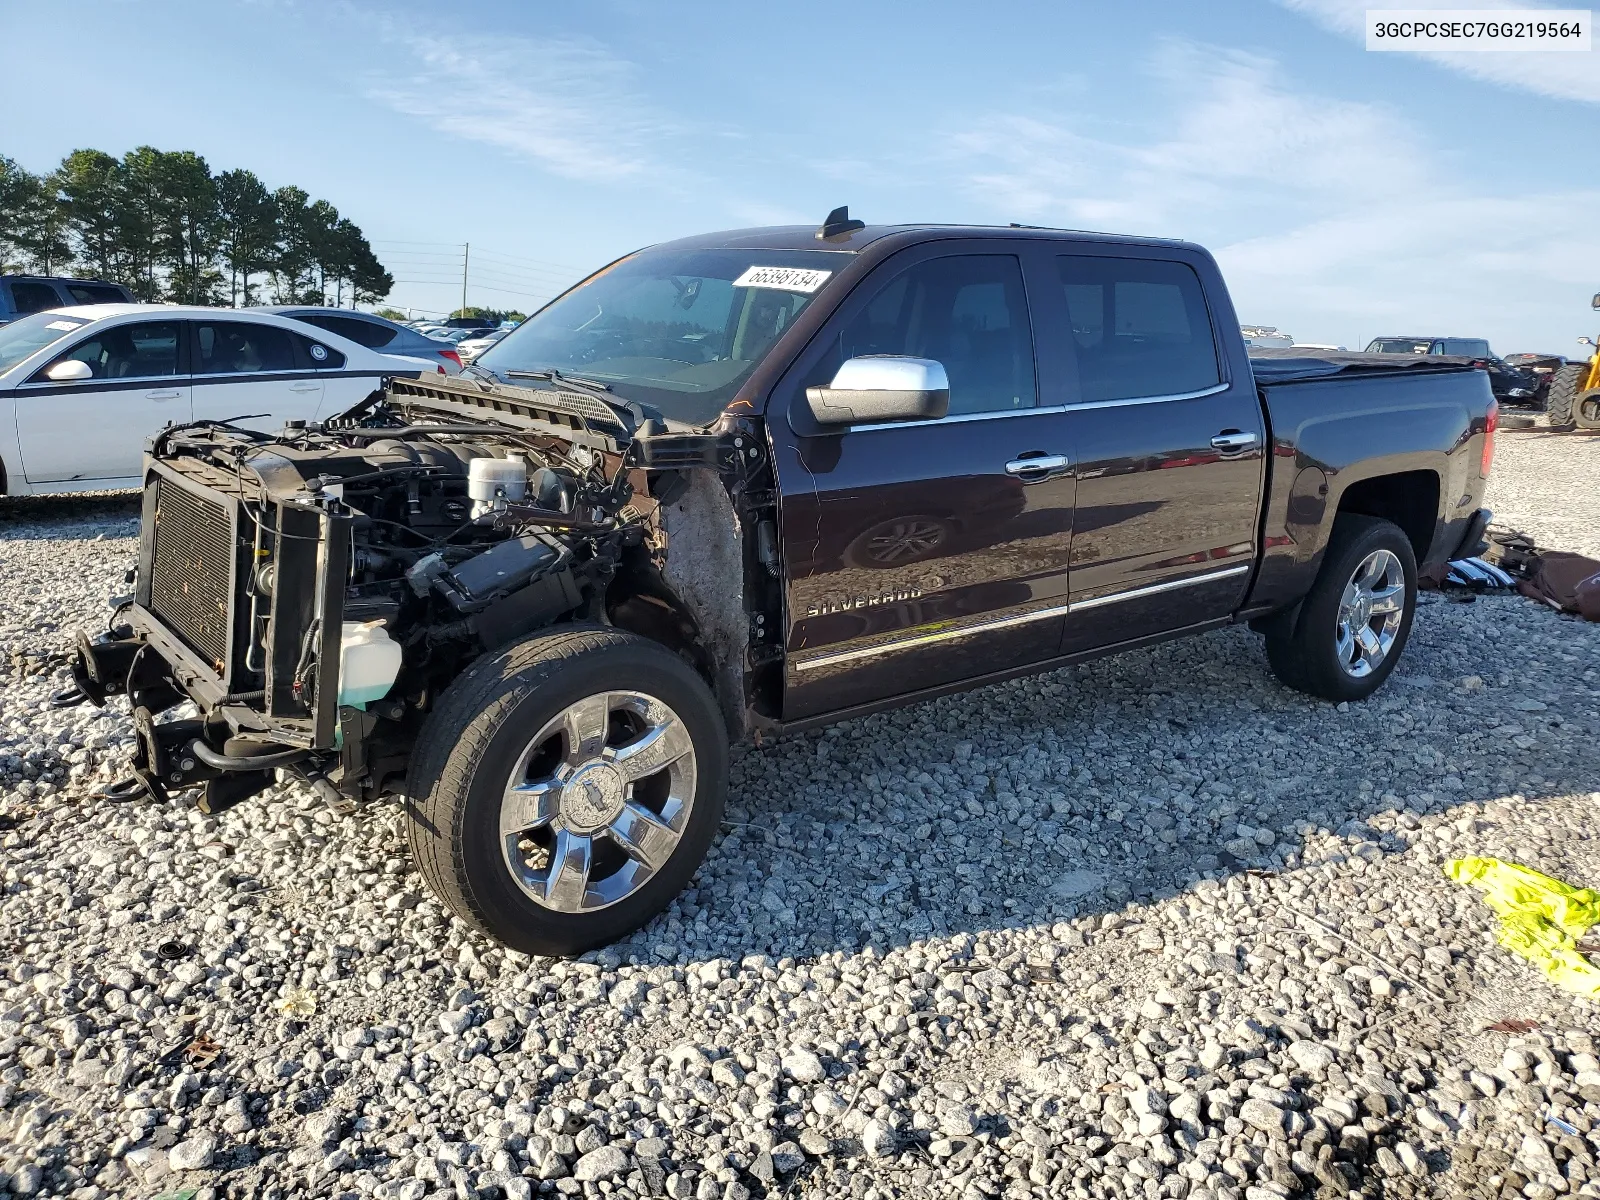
x: 566, y: 788
x: 1347, y: 637
x: 1563, y: 396
x: 1586, y: 410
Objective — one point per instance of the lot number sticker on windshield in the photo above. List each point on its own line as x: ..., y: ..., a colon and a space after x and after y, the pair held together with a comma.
x: 785, y: 279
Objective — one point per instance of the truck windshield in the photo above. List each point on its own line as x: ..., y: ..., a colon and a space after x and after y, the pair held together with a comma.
x: 26, y: 335
x: 679, y: 330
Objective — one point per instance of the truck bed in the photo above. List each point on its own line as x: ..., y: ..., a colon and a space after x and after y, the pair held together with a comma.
x: 1326, y: 413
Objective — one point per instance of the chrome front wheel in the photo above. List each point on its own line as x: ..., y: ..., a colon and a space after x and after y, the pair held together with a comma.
x: 598, y: 801
x: 1370, y: 612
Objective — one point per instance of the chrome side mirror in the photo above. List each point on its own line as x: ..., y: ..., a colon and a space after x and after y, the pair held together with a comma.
x: 1585, y: 341
x: 882, y: 387
x: 70, y: 371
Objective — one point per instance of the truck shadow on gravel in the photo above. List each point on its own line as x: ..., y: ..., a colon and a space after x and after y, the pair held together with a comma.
x: 1128, y: 779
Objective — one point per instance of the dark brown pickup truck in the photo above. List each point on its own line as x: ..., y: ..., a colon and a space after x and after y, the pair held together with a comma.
x: 750, y: 483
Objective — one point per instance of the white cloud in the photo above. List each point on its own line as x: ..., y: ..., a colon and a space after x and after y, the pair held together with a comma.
x: 566, y: 104
x: 1328, y: 216
x: 1231, y: 139
x: 1563, y: 75
x: 1506, y: 268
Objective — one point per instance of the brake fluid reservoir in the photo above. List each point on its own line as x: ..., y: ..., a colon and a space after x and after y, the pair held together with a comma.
x: 369, y: 661
x: 490, y: 480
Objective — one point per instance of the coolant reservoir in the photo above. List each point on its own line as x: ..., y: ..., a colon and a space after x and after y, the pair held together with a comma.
x: 492, y: 479
x: 369, y: 660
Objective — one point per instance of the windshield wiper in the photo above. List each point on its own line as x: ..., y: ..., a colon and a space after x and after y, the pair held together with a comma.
x: 555, y: 376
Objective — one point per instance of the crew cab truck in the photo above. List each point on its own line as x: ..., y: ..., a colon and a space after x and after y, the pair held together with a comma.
x: 751, y: 483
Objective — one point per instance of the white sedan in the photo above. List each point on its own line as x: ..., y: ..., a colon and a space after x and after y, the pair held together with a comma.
x: 81, y: 389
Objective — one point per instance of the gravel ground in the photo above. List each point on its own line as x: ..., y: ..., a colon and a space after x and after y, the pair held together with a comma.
x: 1154, y: 926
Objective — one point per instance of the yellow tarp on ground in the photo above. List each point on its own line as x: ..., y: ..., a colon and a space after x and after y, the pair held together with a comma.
x: 1540, y: 918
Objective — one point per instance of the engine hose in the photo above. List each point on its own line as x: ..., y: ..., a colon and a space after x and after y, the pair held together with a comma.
x: 235, y: 762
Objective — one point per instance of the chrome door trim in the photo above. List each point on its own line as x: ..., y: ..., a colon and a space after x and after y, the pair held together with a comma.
x: 1155, y: 588
x: 1038, y: 410
x: 1038, y: 614
x: 1210, y: 391
x: 927, y: 639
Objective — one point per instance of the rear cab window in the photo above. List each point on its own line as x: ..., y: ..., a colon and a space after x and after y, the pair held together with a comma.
x: 1465, y: 347
x: 1140, y: 328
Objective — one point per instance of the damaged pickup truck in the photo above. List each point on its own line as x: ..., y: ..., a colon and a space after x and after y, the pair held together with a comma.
x: 750, y: 483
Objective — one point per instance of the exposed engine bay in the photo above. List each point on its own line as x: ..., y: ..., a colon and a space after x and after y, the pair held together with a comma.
x: 316, y: 590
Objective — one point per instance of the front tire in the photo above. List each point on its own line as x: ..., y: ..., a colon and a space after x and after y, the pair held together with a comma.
x: 566, y: 788
x: 1355, y: 621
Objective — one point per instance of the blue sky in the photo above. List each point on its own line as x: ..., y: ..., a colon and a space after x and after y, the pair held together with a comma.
x: 1346, y: 194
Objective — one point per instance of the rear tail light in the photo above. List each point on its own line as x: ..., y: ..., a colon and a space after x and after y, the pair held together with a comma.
x: 1489, y: 426
x: 451, y: 355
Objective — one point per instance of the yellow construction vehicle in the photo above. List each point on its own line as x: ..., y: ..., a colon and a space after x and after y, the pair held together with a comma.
x: 1575, y: 391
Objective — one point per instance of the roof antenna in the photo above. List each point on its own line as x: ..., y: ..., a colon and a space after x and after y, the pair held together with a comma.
x: 838, y: 227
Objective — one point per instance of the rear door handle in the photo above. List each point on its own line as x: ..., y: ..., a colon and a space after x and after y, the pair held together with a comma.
x: 1037, y: 465
x: 305, y: 387
x: 163, y: 394
x: 1233, y: 440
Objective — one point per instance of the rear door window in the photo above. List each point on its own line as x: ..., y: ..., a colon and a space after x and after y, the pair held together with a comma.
x: 147, y: 350
x: 241, y: 348
x: 1140, y: 327
x: 1465, y: 347
x: 29, y: 295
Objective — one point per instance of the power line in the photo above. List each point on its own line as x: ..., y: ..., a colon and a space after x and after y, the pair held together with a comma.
x: 533, y: 262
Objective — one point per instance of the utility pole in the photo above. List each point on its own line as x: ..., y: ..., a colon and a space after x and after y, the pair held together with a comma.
x: 466, y: 253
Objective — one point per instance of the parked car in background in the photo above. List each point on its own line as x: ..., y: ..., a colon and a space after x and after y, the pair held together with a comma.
x: 1265, y: 335
x: 82, y: 388
x: 373, y: 332
x: 24, y: 294
x: 471, y: 323
x: 471, y: 347
x: 1320, y: 347
x: 1542, y: 367
x: 1511, y: 385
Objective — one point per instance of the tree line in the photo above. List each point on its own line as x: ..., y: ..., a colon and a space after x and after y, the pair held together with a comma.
x: 160, y: 222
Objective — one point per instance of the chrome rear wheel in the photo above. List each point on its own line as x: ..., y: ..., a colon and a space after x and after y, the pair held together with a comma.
x: 1370, y: 612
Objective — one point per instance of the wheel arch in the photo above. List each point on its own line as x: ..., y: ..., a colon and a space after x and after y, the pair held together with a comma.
x: 1409, y: 499
x: 640, y: 601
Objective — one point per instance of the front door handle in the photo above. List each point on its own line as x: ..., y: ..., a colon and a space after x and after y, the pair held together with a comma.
x: 1233, y: 440
x: 1036, y: 465
x: 163, y: 394
x: 305, y: 387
